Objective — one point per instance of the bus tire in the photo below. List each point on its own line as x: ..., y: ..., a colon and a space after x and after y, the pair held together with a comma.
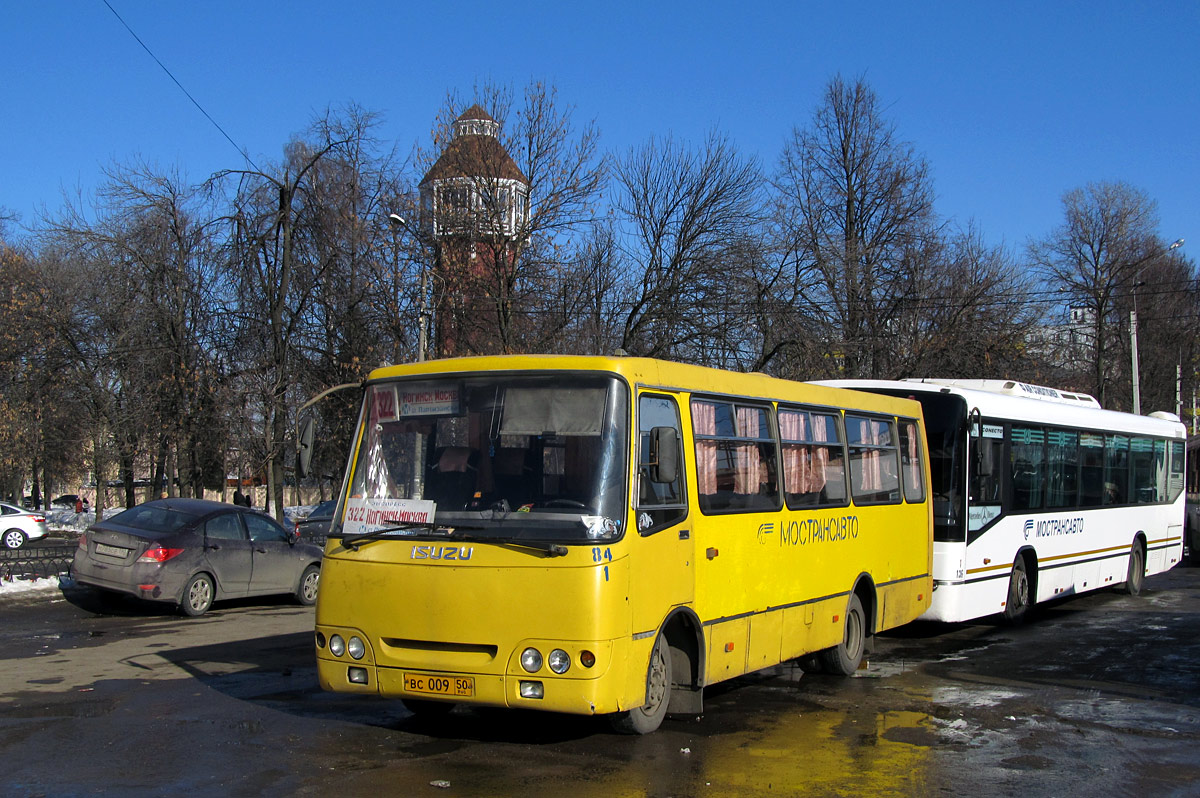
x: 844, y: 658
x: 1137, y: 570
x: 1016, y: 607
x: 649, y: 716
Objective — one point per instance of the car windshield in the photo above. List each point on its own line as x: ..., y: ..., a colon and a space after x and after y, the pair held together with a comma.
x: 507, y: 456
x: 153, y: 519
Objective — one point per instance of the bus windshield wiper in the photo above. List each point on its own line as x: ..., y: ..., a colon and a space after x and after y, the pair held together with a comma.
x: 549, y: 549
x: 351, y: 541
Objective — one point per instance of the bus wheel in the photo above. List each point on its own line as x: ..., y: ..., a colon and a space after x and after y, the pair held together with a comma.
x: 844, y: 658
x: 1137, y: 570
x: 1018, y: 602
x: 649, y: 716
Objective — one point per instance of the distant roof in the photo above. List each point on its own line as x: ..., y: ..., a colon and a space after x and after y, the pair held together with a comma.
x: 475, y: 154
x: 476, y: 112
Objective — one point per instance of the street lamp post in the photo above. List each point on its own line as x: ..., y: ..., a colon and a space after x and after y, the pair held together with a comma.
x: 1133, y: 343
x: 423, y: 317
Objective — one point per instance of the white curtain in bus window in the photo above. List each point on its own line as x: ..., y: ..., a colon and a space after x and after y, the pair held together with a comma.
x: 874, y: 469
x: 1028, y: 467
x: 533, y: 411
x: 383, y: 410
x: 1062, y: 468
x: 910, y: 462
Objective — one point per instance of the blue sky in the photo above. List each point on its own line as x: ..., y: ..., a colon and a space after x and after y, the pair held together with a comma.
x: 1011, y: 103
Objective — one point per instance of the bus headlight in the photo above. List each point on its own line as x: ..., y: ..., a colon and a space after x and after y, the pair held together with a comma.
x: 531, y: 660
x: 356, y: 648
x: 337, y: 646
x: 559, y: 661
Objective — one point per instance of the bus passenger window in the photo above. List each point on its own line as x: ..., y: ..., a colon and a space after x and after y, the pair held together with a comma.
x: 911, y: 462
x: 1116, y: 469
x: 736, y: 458
x: 1091, y: 470
x: 1028, y: 467
x: 874, y: 467
x: 814, y: 470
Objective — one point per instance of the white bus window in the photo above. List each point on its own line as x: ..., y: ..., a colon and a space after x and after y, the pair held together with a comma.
x: 1028, y: 467
x: 1062, y: 468
x: 1091, y: 470
x: 1116, y: 469
x: 1144, y: 470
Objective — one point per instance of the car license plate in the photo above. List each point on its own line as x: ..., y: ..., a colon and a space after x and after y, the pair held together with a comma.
x: 110, y: 551
x: 439, y: 684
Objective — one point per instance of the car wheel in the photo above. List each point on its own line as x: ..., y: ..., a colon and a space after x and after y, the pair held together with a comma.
x: 14, y: 539
x: 310, y: 580
x: 197, y: 596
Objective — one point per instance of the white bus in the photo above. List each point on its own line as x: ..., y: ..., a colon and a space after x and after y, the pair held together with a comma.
x: 1040, y: 493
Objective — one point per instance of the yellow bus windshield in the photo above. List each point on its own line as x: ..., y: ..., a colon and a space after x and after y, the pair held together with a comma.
x: 499, y: 456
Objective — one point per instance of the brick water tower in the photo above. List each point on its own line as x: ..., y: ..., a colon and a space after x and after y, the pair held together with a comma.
x: 475, y: 208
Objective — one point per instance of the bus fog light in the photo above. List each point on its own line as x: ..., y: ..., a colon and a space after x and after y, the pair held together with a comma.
x: 531, y: 661
x: 532, y: 690
x: 559, y: 661
x: 587, y: 659
x: 337, y: 646
x: 356, y: 648
x: 357, y: 675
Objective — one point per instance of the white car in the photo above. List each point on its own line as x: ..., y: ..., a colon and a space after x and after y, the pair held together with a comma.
x: 18, y: 526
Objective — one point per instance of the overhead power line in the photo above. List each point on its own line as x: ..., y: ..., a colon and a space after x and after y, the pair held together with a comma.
x: 175, y: 80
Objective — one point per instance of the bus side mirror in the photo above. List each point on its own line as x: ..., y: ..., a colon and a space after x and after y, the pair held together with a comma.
x: 664, y: 455
x: 304, y: 447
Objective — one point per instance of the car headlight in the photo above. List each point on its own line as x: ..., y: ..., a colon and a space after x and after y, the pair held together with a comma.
x: 559, y: 661
x: 337, y: 646
x: 531, y: 660
x: 356, y: 648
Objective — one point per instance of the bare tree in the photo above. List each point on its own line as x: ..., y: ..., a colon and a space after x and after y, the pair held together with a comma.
x: 1095, y: 258
x: 682, y: 209
x: 855, y: 210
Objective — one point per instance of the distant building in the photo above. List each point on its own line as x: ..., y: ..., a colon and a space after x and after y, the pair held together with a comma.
x: 475, y: 208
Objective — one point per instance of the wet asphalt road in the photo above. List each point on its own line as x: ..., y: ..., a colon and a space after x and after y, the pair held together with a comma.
x: 1100, y: 695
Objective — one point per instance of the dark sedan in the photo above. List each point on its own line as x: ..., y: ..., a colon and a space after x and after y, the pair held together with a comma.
x: 191, y: 552
x: 315, y: 525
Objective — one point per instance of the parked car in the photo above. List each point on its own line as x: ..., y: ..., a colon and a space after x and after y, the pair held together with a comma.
x: 18, y: 526
x: 316, y: 523
x: 69, y: 500
x: 192, y: 552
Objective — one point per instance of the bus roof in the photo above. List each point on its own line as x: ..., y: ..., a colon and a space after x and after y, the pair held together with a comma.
x: 663, y: 374
x: 1016, y: 404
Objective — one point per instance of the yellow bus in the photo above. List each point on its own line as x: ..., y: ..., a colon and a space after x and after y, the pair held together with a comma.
x: 610, y: 535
